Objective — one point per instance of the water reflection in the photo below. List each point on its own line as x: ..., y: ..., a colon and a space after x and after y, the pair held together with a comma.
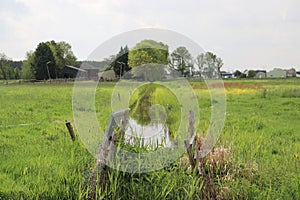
x: 151, y: 135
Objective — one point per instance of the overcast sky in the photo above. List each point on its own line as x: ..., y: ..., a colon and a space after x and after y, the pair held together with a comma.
x: 254, y: 34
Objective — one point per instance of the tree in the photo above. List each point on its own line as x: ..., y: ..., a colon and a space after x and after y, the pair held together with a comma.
x: 243, y: 75
x: 5, y: 68
x: 44, y: 62
x: 148, y: 52
x: 63, y: 55
x: 48, y: 60
x: 16, y: 64
x: 251, y: 73
x: 17, y: 74
x: 209, y: 65
x: 120, y: 62
x: 27, y: 69
x: 237, y: 73
x: 9, y: 69
x: 182, y: 61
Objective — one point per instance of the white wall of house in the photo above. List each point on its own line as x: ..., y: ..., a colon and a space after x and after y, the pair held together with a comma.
x: 276, y: 73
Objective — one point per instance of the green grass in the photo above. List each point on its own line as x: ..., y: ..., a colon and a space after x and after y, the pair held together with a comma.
x: 39, y: 161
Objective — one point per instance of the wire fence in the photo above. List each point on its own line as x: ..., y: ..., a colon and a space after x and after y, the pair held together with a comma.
x: 19, y: 125
x: 33, y: 81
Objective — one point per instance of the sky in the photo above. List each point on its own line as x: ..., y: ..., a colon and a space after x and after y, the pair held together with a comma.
x: 253, y: 34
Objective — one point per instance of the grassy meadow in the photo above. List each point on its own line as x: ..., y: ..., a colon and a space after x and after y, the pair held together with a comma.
x: 38, y: 159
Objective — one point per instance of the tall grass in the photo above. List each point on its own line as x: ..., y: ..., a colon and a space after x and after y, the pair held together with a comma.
x: 40, y: 161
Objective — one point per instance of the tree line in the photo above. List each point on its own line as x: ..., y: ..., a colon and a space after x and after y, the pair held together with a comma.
x: 46, y: 62
x: 9, y: 69
x: 49, y: 58
x: 206, y: 65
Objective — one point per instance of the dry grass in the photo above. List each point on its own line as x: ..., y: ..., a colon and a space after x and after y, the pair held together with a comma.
x: 216, y: 168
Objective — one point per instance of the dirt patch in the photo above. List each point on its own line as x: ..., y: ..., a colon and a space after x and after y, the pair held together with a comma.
x: 236, y: 85
x: 229, y: 85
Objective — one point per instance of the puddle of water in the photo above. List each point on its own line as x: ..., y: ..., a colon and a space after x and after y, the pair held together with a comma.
x: 151, y: 135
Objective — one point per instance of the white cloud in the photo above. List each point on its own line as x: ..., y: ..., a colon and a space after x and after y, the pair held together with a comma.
x: 245, y: 34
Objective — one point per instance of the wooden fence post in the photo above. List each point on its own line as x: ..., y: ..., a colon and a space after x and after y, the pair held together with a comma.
x: 190, y: 143
x: 107, y: 152
x: 70, y: 129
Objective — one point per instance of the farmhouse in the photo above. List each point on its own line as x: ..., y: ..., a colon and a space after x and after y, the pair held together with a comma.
x: 276, y: 73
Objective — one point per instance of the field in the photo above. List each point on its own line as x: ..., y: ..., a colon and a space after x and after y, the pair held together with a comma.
x: 38, y: 160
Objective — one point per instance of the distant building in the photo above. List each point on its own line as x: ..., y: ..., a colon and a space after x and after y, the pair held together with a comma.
x: 260, y: 74
x: 108, y: 75
x: 85, y: 70
x: 71, y: 71
x: 290, y: 72
x: 298, y: 74
x: 276, y: 73
x: 226, y: 75
x: 246, y: 72
x: 92, y: 71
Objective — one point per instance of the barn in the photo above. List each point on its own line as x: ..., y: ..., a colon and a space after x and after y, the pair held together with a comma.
x: 71, y: 71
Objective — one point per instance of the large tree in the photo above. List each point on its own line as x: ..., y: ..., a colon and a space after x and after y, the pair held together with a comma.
x: 44, y: 62
x: 209, y: 65
x: 48, y: 60
x: 148, y: 51
x: 148, y: 54
x: 63, y: 55
x: 182, y: 61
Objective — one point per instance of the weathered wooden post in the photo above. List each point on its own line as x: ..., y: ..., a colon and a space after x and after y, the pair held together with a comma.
x: 190, y: 143
x: 107, y: 151
x: 70, y: 129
